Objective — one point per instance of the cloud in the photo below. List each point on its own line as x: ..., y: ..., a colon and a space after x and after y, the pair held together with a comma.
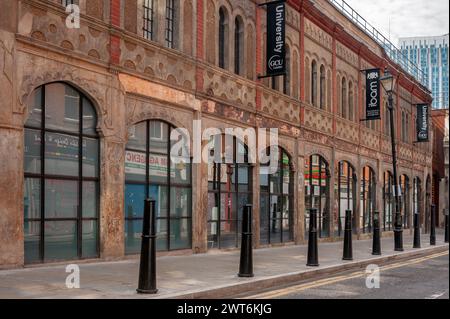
x: 405, y: 18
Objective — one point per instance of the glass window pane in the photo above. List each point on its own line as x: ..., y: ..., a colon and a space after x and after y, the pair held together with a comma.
x: 90, y: 157
x: 32, y: 239
x: 90, y: 197
x: 275, y: 182
x: 134, y: 201
x: 32, y: 198
x: 264, y: 219
x: 180, y: 202
x: 158, y: 168
x: 133, y: 232
x: 213, y: 206
x: 60, y: 242
x: 135, y: 166
x: 160, y: 195
x: 137, y: 137
x: 61, y: 154
x: 62, y: 107
x: 61, y: 199
x: 35, y: 109
x: 89, y: 118
x: 180, y: 173
x: 32, y: 161
x: 213, y: 235
x: 228, y: 234
x: 89, y: 239
x: 159, y: 137
x: 243, y: 178
x: 161, y: 234
x: 180, y: 233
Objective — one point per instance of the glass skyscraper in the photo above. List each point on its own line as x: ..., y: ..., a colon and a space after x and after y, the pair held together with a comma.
x: 431, y: 55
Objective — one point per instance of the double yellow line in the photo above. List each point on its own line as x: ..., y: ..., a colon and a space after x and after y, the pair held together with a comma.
x: 328, y: 281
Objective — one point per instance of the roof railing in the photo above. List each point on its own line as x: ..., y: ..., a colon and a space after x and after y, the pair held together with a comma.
x: 391, y: 50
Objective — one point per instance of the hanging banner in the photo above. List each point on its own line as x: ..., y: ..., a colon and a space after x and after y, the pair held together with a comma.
x: 373, y: 94
x: 276, y: 38
x: 422, y: 122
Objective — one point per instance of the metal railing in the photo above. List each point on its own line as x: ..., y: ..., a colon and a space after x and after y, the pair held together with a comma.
x: 391, y: 50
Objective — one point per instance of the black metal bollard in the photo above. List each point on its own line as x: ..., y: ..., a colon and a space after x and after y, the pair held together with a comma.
x: 433, y: 226
x: 348, y: 249
x: 376, y: 245
x: 246, y: 261
x: 416, y: 231
x: 446, y: 226
x: 147, y: 266
x: 313, y: 253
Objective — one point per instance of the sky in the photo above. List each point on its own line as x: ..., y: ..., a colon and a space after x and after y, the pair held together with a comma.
x: 408, y: 18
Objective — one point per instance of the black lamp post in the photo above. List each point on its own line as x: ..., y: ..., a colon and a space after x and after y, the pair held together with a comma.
x: 388, y: 82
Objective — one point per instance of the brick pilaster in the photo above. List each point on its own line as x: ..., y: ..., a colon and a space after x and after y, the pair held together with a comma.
x: 114, y: 43
x: 199, y: 73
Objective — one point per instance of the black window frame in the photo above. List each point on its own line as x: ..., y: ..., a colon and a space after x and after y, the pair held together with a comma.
x: 272, y: 221
x: 169, y: 184
x: 368, y: 198
x: 79, y: 178
x: 148, y: 18
x: 170, y: 23
x: 351, y: 179
x: 388, y: 201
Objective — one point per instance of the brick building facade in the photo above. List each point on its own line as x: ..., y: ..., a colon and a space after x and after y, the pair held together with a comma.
x: 141, y: 68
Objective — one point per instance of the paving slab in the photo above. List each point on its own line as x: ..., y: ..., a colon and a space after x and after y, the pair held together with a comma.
x: 210, y: 275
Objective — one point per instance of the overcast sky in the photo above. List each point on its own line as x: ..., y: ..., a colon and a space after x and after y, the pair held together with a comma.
x: 408, y: 17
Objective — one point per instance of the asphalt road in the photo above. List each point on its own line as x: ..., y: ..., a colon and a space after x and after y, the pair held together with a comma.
x: 420, y: 278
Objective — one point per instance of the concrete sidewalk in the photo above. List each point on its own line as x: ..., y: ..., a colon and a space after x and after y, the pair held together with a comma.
x: 211, y: 275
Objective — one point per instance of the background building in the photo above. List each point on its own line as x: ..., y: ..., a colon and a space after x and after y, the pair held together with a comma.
x: 85, y: 115
x: 431, y: 55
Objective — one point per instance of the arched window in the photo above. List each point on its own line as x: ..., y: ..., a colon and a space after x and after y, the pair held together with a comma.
x: 344, y: 98
x: 287, y: 77
x: 403, y: 134
x: 417, y: 197
x: 350, y: 101
x: 322, y: 88
x: 407, y: 128
x: 229, y: 190
x: 346, y: 194
x: 317, y: 193
x: 151, y: 172
x: 61, y: 165
x: 314, y: 83
x: 404, y: 201
x: 238, y: 46
x: 388, y: 200
x: 387, y: 124
x: 149, y: 19
x: 426, y: 221
x: 172, y: 7
x: 329, y: 91
x: 368, y: 198
x: 277, y: 201
x: 223, y: 38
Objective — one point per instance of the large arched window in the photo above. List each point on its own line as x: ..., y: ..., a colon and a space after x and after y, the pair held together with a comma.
x: 151, y: 172
x: 388, y: 200
x: 61, y: 176
x: 223, y: 38
x: 322, y: 88
x: 346, y: 194
x: 229, y: 190
x: 238, y: 46
x: 277, y: 201
x: 405, y: 203
x: 317, y: 193
x: 417, y: 197
x: 368, y: 198
x: 344, y: 98
x: 314, y: 83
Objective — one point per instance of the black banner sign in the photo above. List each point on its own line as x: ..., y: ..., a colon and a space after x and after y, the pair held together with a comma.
x: 373, y: 94
x: 276, y: 38
x: 422, y: 122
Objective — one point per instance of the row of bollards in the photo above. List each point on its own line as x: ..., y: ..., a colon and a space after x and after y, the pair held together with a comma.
x: 147, y: 266
x: 313, y: 255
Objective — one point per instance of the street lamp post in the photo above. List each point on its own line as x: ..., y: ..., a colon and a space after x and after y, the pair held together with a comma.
x: 388, y: 82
